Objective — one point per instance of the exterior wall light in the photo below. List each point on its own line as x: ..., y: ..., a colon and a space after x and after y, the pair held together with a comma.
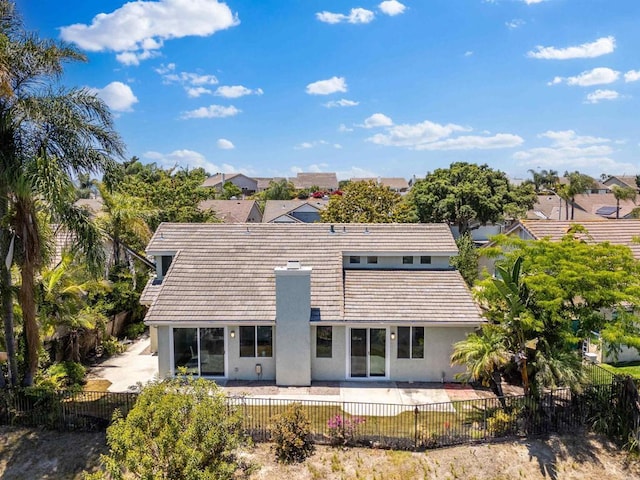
x: 393, y: 335
x: 233, y: 334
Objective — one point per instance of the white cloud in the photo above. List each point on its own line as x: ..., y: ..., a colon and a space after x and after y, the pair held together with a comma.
x: 355, y: 172
x: 314, y: 168
x: 474, y: 142
x: 118, y: 96
x: 188, y: 159
x: 235, y: 91
x: 468, y: 53
x: 341, y: 103
x: 138, y: 28
x: 568, y: 150
x: 189, y: 78
x: 308, y: 145
x: 212, y: 111
x: 225, y: 144
x: 327, y: 87
x: 356, y: 15
x: 195, y: 92
x: 343, y: 128
x: 392, y: 7
x: 632, y: 76
x: 515, y: 23
x: 532, y: 2
x: 601, y: 46
x: 377, y: 120
x: 134, y: 58
x: 412, y: 135
x: 597, y: 76
x: 598, y: 95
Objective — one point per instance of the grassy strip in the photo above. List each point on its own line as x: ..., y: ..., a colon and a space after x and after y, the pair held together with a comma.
x: 624, y: 368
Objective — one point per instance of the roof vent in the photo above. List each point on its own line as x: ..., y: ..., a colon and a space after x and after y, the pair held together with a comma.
x: 344, y: 229
x: 332, y: 229
x: 366, y: 230
x: 293, y: 265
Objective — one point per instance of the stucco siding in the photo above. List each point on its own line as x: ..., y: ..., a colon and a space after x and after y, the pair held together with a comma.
x: 626, y: 355
x: 164, y: 352
x: 326, y: 369
x: 438, y: 348
x: 244, y: 368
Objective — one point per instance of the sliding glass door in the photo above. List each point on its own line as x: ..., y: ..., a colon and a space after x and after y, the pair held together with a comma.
x: 368, y: 348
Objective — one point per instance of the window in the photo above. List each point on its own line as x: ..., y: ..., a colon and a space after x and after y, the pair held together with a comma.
x: 354, y: 259
x: 165, y: 263
x: 372, y: 260
x: 425, y: 259
x: 407, y: 260
x: 410, y: 342
x: 256, y: 341
x: 323, y: 342
x: 185, y: 349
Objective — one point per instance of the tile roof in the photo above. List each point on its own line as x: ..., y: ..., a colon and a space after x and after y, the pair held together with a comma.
x: 552, y: 207
x: 216, y: 180
x: 276, y: 208
x: 628, y: 180
x: 263, y: 182
x: 325, y: 181
x: 232, y: 211
x: 225, y: 271
x: 616, y: 232
x: 591, y: 203
x: 394, y: 183
x: 405, y: 295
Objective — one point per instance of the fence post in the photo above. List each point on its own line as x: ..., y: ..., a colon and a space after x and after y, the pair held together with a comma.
x: 416, y: 411
x: 484, y: 419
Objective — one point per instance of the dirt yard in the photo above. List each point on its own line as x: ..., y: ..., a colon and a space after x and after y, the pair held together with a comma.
x: 37, y: 454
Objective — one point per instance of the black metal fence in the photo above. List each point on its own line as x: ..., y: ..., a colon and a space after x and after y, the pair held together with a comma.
x: 62, y: 410
x: 370, y: 424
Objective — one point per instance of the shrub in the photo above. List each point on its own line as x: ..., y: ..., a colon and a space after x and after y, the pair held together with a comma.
x: 291, y: 433
x: 179, y: 429
x: 342, y: 430
x: 502, y: 423
x: 63, y: 375
x: 111, y: 346
x: 134, y: 330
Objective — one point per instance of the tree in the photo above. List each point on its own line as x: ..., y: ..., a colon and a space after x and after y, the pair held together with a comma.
x: 229, y: 190
x: 367, y: 202
x: 466, y: 193
x: 544, y: 179
x: 578, y: 183
x: 466, y: 262
x: 623, y: 193
x: 179, y: 429
x: 47, y: 134
x: 279, y: 190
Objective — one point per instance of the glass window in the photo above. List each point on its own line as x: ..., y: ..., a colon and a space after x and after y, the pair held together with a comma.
x: 265, y: 337
x: 323, y: 342
x: 425, y: 259
x: 185, y: 349
x: 256, y: 341
x: 407, y: 260
x: 372, y: 259
x: 417, y: 342
x: 165, y: 264
x: 212, y: 352
x: 247, y: 341
x: 410, y: 342
x: 354, y: 259
x: 404, y: 342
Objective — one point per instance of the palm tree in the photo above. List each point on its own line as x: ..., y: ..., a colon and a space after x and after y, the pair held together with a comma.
x: 578, y: 183
x: 623, y: 193
x: 484, y: 355
x: 46, y: 135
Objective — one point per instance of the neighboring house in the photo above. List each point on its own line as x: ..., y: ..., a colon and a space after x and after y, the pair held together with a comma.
x: 233, y: 211
x: 248, y: 185
x: 396, y: 184
x: 622, y: 181
x: 305, y: 302
x: 552, y: 207
x: 264, y: 182
x: 293, y: 211
x: 586, y: 207
x: 598, y: 187
x: 326, y: 182
x: 603, y: 205
x: 616, y: 232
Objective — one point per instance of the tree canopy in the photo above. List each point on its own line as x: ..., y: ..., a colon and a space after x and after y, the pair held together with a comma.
x: 466, y: 193
x: 367, y: 202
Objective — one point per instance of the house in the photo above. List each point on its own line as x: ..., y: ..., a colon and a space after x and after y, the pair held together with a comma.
x: 233, y: 211
x: 295, y: 303
x: 293, y: 211
x: 325, y: 182
x: 396, y: 184
x: 551, y: 206
x: 248, y: 185
x: 626, y: 181
x: 597, y: 187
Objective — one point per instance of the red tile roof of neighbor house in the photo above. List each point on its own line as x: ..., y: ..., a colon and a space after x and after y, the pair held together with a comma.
x: 233, y: 211
x: 226, y: 272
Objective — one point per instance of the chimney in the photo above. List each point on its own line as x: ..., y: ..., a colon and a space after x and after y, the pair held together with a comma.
x: 293, y: 331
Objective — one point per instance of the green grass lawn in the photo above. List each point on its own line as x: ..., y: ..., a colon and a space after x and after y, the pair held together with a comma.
x: 625, y: 368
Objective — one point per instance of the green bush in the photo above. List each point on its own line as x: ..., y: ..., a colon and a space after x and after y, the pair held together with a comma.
x: 111, y: 346
x: 502, y: 423
x: 291, y: 434
x: 134, y: 330
x: 62, y: 376
x: 179, y: 429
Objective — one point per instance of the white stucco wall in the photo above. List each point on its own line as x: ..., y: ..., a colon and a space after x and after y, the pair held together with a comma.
x: 164, y: 351
x: 244, y: 368
x: 334, y: 368
x: 626, y: 355
x: 394, y: 262
x: 437, y: 351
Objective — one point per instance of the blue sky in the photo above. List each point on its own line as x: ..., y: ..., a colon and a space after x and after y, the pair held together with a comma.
x: 362, y: 87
